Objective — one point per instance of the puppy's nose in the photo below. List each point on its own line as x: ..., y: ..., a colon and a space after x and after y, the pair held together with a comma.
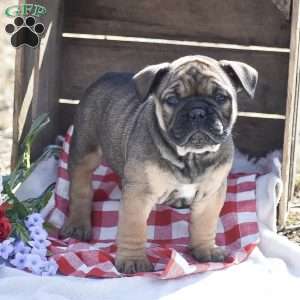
x: 197, y: 113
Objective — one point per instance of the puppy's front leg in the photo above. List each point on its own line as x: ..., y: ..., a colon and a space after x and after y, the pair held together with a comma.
x: 204, y: 218
x: 78, y: 224
x: 135, y: 208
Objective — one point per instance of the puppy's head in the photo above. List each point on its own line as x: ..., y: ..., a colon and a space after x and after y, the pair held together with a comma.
x: 195, y: 99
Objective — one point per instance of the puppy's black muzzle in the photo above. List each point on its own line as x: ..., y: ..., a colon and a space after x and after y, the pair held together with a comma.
x: 199, y: 120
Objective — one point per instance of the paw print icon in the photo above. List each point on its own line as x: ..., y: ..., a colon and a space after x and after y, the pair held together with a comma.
x: 25, y: 32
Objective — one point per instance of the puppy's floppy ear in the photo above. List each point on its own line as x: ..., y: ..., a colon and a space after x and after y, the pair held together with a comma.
x: 244, y: 76
x: 147, y: 78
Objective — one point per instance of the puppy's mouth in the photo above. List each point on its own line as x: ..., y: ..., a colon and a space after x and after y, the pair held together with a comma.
x: 198, y: 124
x: 199, y: 137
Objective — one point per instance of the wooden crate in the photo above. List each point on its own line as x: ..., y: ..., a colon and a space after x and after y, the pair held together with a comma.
x: 85, y: 39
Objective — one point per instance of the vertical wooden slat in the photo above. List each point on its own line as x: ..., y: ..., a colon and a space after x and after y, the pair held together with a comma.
x: 47, y: 79
x: 37, y: 81
x: 23, y: 93
x: 291, y: 117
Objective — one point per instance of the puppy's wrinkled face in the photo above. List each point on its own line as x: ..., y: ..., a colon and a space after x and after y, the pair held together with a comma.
x: 196, y: 105
x: 195, y: 99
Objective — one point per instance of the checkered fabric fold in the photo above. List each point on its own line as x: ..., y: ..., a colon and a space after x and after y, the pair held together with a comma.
x: 168, y: 238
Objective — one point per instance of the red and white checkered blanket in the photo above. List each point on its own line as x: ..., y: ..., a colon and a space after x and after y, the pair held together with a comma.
x: 168, y: 238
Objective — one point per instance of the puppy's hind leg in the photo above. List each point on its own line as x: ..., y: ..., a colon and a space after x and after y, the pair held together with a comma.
x: 83, y: 161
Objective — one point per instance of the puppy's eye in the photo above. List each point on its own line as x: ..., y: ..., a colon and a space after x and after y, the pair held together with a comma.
x: 220, y: 98
x: 172, y: 101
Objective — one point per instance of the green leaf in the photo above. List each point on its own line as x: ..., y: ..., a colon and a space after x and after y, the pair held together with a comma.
x: 38, y: 203
x: 6, y: 179
x: 21, y: 210
x: 17, y: 206
x: 23, y: 167
x: 7, y: 190
x: 12, y: 215
x: 37, y: 126
x: 49, y: 226
x: 45, y: 199
x: 21, y: 232
x: 53, y: 150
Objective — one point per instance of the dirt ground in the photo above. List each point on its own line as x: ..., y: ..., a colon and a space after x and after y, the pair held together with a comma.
x: 7, y: 53
x: 293, y: 224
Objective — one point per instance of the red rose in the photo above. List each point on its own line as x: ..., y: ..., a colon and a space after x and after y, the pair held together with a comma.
x: 5, y: 228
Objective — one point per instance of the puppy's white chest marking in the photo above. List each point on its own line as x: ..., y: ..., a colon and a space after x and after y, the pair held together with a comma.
x: 186, y: 191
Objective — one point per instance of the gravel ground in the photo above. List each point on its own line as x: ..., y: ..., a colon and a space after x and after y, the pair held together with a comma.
x: 6, y: 108
x: 293, y: 223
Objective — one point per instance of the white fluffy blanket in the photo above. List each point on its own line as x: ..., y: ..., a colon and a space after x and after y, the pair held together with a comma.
x: 271, y: 272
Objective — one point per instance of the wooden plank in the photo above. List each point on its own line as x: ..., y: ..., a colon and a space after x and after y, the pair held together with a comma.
x: 288, y: 170
x: 247, y: 22
x: 260, y: 115
x: 37, y: 81
x: 47, y: 83
x: 25, y: 79
x: 173, y: 42
x: 23, y: 87
x: 249, y: 133
x: 85, y: 60
x: 256, y: 137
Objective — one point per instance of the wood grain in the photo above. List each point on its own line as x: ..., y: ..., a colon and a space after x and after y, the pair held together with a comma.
x: 47, y: 74
x: 37, y: 80
x: 290, y: 131
x: 247, y: 22
x: 85, y: 60
x: 23, y: 86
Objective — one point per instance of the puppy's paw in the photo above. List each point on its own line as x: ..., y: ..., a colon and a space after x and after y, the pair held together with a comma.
x: 78, y: 230
x: 133, y: 265
x: 214, y: 254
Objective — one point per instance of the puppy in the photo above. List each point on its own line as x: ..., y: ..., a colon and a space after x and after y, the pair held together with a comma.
x: 166, y: 131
